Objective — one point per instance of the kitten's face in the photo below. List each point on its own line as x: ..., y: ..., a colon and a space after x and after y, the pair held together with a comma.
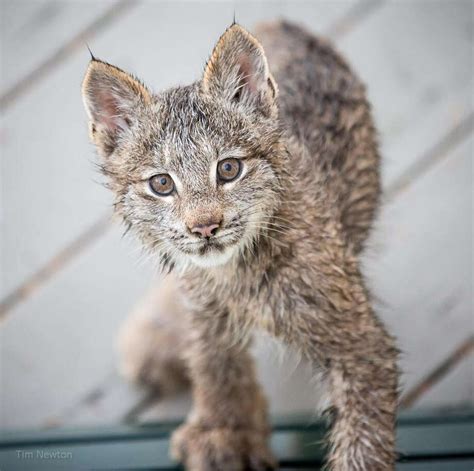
x: 196, y: 169
x: 201, y: 163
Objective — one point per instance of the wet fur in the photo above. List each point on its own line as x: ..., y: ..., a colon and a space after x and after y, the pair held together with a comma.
x: 295, y: 224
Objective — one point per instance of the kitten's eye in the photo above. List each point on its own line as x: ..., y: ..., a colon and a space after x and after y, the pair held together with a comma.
x: 228, y: 170
x: 161, y: 184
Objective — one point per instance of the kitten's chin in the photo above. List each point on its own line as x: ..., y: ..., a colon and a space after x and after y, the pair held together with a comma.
x: 212, y: 258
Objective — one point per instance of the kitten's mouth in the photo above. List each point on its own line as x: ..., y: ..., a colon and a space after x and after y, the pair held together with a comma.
x: 210, y: 247
x: 207, y: 247
x: 211, y: 252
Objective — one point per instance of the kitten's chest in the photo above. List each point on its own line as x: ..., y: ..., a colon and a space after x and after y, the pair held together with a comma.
x: 250, y: 299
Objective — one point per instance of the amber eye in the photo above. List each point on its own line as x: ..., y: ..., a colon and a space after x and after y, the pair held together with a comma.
x: 228, y: 170
x: 162, y: 184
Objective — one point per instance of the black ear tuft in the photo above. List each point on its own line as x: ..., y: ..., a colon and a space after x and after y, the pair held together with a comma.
x: 93, y: 58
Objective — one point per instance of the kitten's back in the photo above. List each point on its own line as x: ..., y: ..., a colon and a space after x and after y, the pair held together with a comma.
x: 323, y: 105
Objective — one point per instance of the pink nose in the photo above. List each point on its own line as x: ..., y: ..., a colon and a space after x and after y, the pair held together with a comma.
x: 205, y: 230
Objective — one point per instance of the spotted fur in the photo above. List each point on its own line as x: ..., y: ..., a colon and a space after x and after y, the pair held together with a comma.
x: 286, y: 259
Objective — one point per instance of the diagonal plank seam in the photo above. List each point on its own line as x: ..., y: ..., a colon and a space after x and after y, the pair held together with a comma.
x: 55, y: 264
x: 358, y: 12
x: 462, y: 351
x: 60, y: 55
x: 430, y: 158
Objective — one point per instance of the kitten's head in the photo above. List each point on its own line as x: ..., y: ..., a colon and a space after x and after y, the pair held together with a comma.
x: 196, y: 170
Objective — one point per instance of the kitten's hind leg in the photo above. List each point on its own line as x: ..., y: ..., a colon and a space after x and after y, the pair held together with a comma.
x: 151, y: 341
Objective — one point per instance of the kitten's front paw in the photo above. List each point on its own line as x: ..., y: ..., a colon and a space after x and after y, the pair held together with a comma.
x: 221, y: 449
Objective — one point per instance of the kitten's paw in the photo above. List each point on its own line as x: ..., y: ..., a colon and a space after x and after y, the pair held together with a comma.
x: 221, y: 449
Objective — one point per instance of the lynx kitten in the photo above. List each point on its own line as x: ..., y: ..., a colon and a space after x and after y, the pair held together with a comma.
x: 256, y: 186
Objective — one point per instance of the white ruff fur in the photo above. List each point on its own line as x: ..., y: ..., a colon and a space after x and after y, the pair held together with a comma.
x: 213, y: 259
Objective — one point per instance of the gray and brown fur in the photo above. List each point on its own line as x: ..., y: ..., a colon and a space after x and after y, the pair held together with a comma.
x: 287, y: 259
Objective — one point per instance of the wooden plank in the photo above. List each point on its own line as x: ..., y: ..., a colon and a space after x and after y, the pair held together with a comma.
x: 424, y: 276
x: 58, y: 348
x: 457, y: 387
x: 448, y: 365
x: 32, y: 31
x: 415, y: 58
x: 109, y: 399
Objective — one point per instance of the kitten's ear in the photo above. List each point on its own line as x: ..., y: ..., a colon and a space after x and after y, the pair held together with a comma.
x: 238, y: 70
x: 112, y: 99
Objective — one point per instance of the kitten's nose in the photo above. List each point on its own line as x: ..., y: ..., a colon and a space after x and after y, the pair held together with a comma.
x: 206, y: 230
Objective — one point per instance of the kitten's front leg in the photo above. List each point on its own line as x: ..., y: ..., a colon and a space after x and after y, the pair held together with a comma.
x: 337, y: 329
x: 227, y: 429
x: 364, y: 393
